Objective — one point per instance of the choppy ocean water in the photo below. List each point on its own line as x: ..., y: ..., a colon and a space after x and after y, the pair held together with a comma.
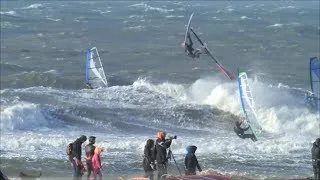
x: 44, y: 104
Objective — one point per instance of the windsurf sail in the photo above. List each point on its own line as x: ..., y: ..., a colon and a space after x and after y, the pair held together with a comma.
x: 315, y: 76
x: 313, y: 99
x: 248, y: 105
x: 188, y: 28
x: 219, y: 65
x: 95, y: 76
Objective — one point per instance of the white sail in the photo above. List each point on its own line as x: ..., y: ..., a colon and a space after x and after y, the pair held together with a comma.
x: 95, y: 76
x: 248, y: 105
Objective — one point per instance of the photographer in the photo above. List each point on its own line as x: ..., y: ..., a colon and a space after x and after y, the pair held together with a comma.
x: 161, y: 146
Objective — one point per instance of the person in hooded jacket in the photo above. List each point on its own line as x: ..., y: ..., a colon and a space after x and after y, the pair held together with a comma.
x: 191, y: 161
x: 76, y: 157
x: 315, y: 151
x: 148, y: 160
x: 96, y: 164
x: 160, y: 153
x: 89, y: 149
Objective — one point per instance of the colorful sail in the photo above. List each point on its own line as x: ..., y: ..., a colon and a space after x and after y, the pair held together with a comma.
x: 248, y: 105
x: 312, y: 99
x: 315, y: 76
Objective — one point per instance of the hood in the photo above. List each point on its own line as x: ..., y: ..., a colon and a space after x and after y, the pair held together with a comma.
x: 83, y: 138
x: 150, y: 143
x: 191, y: 149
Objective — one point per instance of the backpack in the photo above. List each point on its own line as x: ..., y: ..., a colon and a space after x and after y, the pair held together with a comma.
x: 69, y: 149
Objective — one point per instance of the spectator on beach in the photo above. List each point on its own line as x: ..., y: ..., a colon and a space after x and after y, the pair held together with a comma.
x: 96, y: 164
x: 148, y: 159
x: 191, y: 161
x: 78, y: 167
x: 315, y: 151
x: 89, y: 149
x: 160, y: 153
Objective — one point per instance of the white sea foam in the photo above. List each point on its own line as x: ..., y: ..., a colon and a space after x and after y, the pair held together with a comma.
x: 101, y: 11
x: 51, y: 71
x: 12, y: 13
x: 147, y: 7
x: 173, y: 16
x: 136, y: 28
x: 22, y: 116
x: 137, y: 5
x: 136, y: 16
x: 287, y: 7
x: 177, y: 3
x: 53, y: 19
x: 216, y: 18
x: 33, y: 6
x: 169, y: 89
x: 244, y: 17
x: 277, y: 25
x: 284, y: 8
x: 277, y: 109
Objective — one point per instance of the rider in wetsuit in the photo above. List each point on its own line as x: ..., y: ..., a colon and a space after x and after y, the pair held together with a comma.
x: 241, y: 128
x: 191, y: 52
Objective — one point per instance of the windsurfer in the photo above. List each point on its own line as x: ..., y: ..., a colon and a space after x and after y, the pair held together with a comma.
x: 310, y: 99
x: 88, y: 85
x: 241, y: 128
x: 191, y: 52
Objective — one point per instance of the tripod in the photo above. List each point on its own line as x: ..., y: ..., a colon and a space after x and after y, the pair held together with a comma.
x: 170, y: 154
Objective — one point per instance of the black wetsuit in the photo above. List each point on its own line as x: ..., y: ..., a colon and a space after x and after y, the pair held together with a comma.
x: 315, y: 151
x: 89, y: 154
x: 240, y: 132
x: 88, y: 85
x: 76, y: 153
x: 160, y: 152
x: 190, y: 50
x: 148, y: 159
x: 191, y: 161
